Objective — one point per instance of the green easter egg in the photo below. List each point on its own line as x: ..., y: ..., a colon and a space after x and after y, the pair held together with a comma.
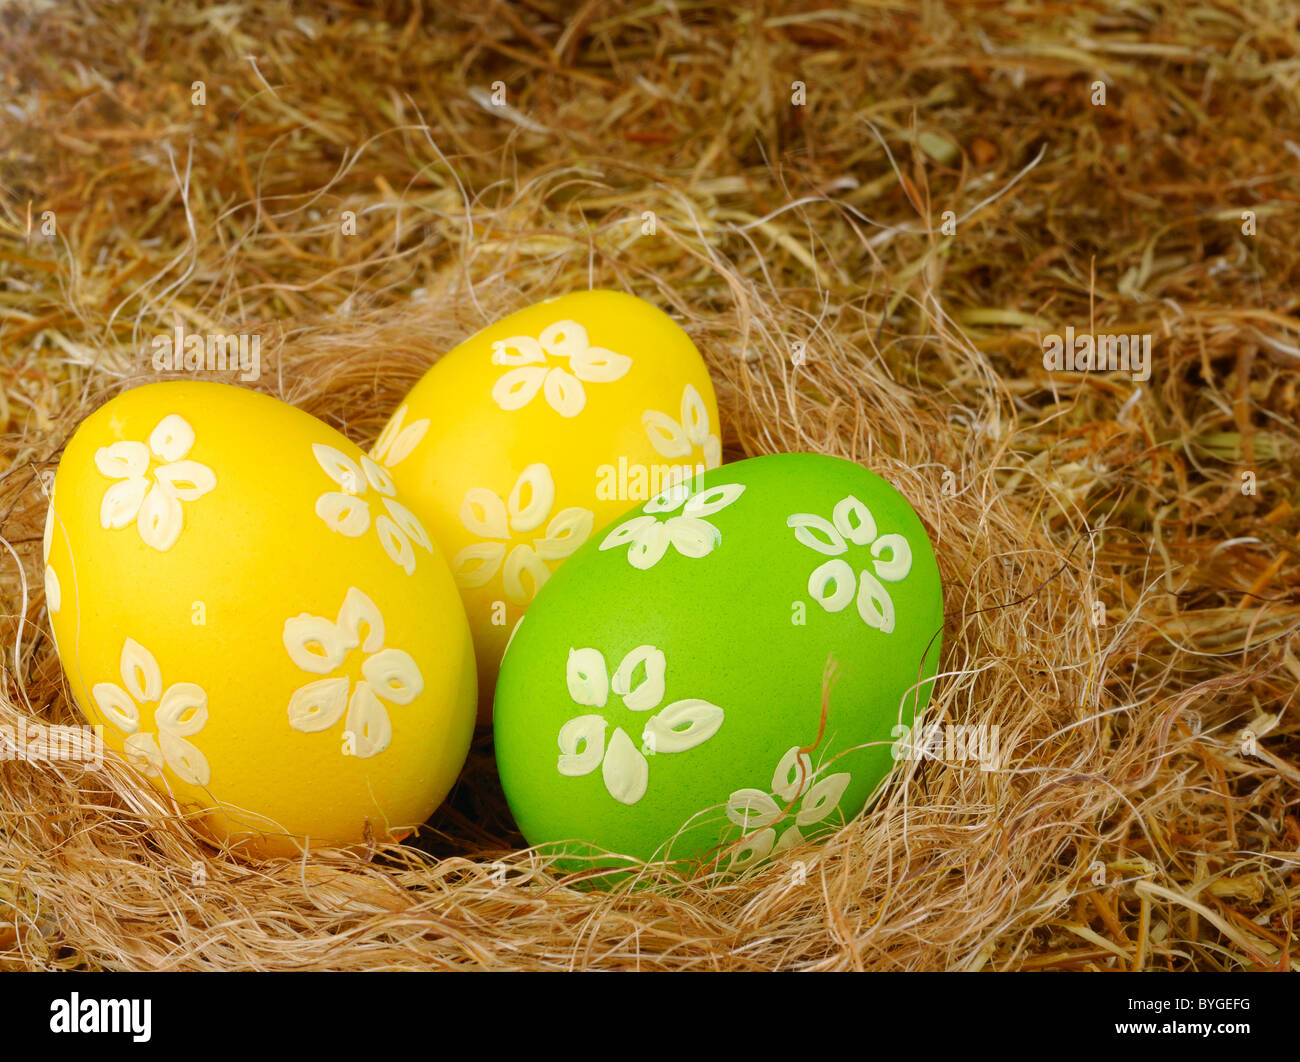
x: 662, y: 699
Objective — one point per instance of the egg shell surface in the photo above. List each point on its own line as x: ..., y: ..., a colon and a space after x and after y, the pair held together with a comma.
x: 529, y: 437
x: 669, y: 678
x: 241, y: 600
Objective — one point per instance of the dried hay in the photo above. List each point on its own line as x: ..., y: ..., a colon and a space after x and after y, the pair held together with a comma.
x: 1130, y: 825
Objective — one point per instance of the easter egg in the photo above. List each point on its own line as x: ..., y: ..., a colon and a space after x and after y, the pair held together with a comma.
x: 668, y: 684
x: 526, y: 439
x: 244, y: 603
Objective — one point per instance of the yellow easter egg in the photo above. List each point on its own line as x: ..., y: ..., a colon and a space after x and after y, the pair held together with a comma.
x: 244, y: 603
x: 529, y: 437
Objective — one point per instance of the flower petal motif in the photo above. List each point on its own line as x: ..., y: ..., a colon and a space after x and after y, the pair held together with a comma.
x: 675, y: 440
x: 140, y: 671
x: 185, y: 760
x: 187, y: 480
x: 649, y: 547
x: 639, y: 682
x: 624, y: 769
x: 377, y: 477
x: 183, y: 710
x: 143, y: 751
x: 683, y: 725
x: 407, y: 522
x: 793, y: 774
x: 830, y: 584
x: 340, y: 468
x: 598, y: 365
x: 875, y: 606
x: 359, y: 611
x: 564, y: 339
x: 484, y: 514
x: 318, y: 705
x: 523, y: 560
x: 345, y: 513
x: 395, y: 544
x: 751, y: 809
x: 787, y: 840
x: 587, y: 677
x: 582, y: 745
x: 529, y: 371
x: 713, y: 499
x: 518, y: 350
x: 159, y: 520
x: 117, y: 706
x: 122, y: 502
x: 122, y: 460
x: 396, y: 441
x: 752, y: 849
x: 712, y: 452
x: 668, y: 500
x: 536, y: 480
x: 626, y: 533
x: 754, y: 810
x: 899, y: 562
x: 569, y: 529
x: 172, y: 438
x: 516, y: 389
x: 854, y: 521
x: 822, y: 799
x: 564, y: 393
x: 314, y: 643
x: 695, y: 415
x: 692, y: 537
x: 649, y: 691
x: 368, y: 723
x: 154, y: 506
x: 393, y: 675
x: 834, y: 573
x: 806, y: 528
x: 665, y: 434
x: 319, y: 646
x: 475, y: 565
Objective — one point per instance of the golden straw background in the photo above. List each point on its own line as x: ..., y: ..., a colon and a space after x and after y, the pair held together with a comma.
x: 1130, y: 826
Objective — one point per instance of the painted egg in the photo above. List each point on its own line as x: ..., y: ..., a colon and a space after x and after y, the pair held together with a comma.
x: 526, y: 439
x: 670, y: 678
x: 241, y: 600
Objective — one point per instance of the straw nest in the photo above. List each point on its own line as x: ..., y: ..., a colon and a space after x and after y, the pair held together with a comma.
x: 1120, y: 560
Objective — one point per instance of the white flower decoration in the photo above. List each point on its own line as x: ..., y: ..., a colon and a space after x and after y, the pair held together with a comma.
x: 833, y: 584
x: 347, y: 511
x: 319, y: 646
x: 677, y: 727
x: 562, y: 387
x: 672, y: 439
x: 487, y: 515
x: 398, y: 439
x: 155, y: 505
x: 753, y: 809
x: 690, y: 534
x: 181, y: 712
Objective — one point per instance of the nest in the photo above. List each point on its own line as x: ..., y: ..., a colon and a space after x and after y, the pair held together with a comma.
x: 1120, y: 559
